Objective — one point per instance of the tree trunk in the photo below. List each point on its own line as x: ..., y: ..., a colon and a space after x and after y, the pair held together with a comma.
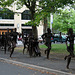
x: 45, y: 25
x: 34, y: 31
x: 31, y: 4
x: 34, y: 28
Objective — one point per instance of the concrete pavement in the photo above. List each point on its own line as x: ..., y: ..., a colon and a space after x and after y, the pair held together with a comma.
x: 15, y: 66
x: 54, y: 65
x: 15, y: 69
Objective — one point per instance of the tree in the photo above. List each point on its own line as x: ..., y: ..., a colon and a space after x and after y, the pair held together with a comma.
x: 31, y: 4
x: 51, y: 6
x: 73, y: 5
x: 64, y: 20
x: 44, y: 7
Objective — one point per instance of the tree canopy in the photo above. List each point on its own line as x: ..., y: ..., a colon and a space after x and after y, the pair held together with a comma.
x: 64, y: 20
x: 38, y: 8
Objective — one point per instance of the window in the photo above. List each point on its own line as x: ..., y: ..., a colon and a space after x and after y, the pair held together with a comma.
x: 28, y: 31
x: 26, y: 15
x: 6, y: 24
x: 6, y: 14
x: 25, y: 25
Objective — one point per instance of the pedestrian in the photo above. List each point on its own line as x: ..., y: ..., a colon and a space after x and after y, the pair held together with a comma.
x: 70, y: 47
x: 47, y: 37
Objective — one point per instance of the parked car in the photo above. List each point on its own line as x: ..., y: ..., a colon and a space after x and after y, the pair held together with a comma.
x: 57, y: 38
x: 54, y: 39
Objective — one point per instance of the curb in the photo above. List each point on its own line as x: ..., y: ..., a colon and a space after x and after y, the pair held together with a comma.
x: 35, y: 67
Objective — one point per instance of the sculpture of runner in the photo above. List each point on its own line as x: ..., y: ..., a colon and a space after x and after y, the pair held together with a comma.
x: 47, y: 36
x: 70, y: 47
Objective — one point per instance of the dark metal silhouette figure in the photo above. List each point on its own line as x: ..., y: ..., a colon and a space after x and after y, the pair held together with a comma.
x: 36, y: 48
x: 60, y: 38
x: 13, y: 35
x: 25, y: 41
x: 3, y: 41
x: 70, y: 47
x: 30, y: 46
x: 47, y: 37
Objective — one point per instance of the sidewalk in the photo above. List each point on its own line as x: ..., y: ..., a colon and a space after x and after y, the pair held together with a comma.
x: 54, y: 64
x: 11, y: 68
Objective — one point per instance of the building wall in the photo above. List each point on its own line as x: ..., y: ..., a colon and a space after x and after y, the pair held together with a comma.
x: 40, y: 29
x: 17, y: 21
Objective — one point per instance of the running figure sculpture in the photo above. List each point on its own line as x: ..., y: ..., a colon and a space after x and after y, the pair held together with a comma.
x: 47, y: 37
x: 70, y: 47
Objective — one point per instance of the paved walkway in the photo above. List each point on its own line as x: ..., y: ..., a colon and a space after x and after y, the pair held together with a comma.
x: 11, y: 68
x: 52, y: 66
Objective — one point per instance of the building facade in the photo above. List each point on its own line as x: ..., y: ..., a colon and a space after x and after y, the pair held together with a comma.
x: 11, y: 20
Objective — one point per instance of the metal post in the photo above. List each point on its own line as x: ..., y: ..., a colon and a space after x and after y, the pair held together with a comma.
x: 51, y: 21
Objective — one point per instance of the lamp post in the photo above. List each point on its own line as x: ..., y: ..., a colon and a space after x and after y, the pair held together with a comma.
x: 51, y: 21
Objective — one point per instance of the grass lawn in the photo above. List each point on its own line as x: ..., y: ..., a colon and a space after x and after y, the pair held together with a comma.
x: 57, y: 48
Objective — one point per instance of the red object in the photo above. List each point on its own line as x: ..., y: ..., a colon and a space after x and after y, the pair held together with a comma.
x: 51, y: 38
x: 19, y: 38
